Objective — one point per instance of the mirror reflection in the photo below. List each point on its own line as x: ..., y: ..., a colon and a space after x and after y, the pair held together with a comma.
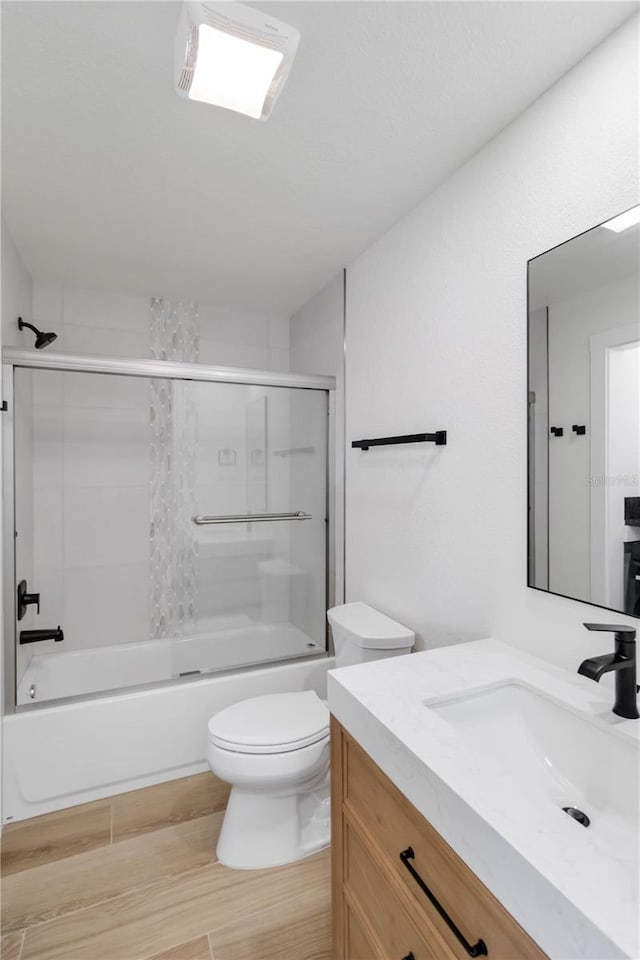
x: 584, y: 417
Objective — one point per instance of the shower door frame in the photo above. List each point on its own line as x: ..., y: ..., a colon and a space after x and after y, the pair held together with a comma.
x: 13, y: 358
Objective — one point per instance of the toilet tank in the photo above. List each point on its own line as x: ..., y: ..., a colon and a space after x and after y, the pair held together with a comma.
x: 361, y: 634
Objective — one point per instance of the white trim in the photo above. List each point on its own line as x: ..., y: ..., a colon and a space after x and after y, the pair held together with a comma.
x: 599, y: 345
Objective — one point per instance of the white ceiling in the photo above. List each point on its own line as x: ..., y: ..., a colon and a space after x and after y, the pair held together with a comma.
x: 110, y: 179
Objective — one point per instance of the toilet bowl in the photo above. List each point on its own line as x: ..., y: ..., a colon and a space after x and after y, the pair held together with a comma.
x: 274, y: 751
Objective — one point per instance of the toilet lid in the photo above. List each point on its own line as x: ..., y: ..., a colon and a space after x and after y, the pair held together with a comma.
x: 275, y: 723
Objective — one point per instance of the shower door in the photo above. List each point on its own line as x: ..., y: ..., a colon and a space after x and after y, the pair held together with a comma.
x: 260, y: 585
x: 172, y: 527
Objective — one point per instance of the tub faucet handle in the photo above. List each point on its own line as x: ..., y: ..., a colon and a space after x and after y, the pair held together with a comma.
x: 25, y: 599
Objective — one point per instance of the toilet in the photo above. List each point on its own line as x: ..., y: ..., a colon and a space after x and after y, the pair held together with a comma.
x: 274, y: 751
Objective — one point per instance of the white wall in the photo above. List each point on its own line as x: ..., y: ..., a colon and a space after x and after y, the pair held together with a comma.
x: 317, y: 346
x: 17, y: 292
x: 436, y: 339
x: 114, y: 323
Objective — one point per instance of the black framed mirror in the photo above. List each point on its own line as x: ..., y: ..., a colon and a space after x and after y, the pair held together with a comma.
x: 583, y: 402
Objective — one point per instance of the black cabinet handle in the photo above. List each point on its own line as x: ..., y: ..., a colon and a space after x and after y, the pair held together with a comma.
x: 557, y: 431
x: 478, y: 949
x: 579, y: 429
x: 409, y: 956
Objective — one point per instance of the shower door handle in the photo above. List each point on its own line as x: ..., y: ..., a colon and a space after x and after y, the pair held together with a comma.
x: 251, y: 517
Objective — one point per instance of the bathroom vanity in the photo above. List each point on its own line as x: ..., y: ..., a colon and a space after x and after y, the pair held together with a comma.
x: 386, y: 856
x: 453, y: 772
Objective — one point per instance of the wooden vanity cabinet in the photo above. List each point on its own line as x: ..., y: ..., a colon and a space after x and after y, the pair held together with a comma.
x: 399, y: 892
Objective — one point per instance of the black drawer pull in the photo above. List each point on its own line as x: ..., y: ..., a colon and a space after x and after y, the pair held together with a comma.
x: 409, y: 956
x: 478, y: 949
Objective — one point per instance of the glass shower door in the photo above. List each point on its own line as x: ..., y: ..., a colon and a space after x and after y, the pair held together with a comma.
x: 261, y: 583
x: 172, y: 527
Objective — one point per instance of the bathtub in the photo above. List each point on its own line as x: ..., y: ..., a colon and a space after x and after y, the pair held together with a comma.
x: 61, y: 674
x: 58, y: 756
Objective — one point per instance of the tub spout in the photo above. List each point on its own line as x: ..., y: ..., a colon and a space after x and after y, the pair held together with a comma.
x: 35, y: 636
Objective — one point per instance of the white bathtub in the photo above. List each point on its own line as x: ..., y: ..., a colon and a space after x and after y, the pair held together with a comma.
x: 60, y: 756
x: 61, y: 674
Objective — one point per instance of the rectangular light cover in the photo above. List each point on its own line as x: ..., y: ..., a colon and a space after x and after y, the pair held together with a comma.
x: 627, y: 219
x: 231, y: 72
x: 232, y: 56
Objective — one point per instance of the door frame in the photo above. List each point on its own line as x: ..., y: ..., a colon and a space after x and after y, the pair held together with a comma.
x: 599, y: 346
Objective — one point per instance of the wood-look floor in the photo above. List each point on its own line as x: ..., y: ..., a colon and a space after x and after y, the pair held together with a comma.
x: 161, y: 895
x: 54, y: 836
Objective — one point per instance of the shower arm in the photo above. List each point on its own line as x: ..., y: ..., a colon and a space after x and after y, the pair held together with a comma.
x: 23, y: 323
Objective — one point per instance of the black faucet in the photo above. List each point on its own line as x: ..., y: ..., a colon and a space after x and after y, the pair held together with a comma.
x: 623, y: 661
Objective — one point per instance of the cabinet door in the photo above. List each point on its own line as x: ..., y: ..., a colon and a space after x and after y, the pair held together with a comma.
x: 376, y: 894
x: 393, y: 825
x: 358, y: 938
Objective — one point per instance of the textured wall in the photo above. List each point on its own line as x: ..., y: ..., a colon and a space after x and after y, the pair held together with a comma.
x: 436, y: 338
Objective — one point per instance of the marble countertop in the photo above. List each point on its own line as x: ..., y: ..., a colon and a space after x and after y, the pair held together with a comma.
x: 572, y: 894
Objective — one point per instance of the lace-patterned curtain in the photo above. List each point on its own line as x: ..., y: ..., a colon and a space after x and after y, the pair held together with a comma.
x: 174, y: 426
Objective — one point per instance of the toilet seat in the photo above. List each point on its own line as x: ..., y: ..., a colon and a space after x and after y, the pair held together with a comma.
x: 272, y: 724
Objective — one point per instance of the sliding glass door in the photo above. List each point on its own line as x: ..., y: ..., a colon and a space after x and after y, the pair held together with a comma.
x: 170, y: 527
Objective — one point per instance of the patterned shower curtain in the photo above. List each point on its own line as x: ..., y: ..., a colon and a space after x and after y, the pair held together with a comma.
x: 174, y: 425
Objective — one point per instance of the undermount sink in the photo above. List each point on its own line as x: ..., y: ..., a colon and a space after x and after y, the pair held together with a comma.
x: 555, y: 753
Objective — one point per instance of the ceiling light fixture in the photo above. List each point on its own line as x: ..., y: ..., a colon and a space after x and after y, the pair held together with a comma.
x: 233, y: 56
x: 625, y: 220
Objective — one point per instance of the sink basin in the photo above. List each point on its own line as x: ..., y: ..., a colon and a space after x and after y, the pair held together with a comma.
x: 557, y: 754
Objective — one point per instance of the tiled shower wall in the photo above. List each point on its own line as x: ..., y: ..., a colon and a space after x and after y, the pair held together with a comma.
x: 91, y: 455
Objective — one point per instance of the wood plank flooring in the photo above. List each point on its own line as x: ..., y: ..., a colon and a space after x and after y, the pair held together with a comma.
x: 55, y: 835
x: 11, y: 945
x: 65, y: 833
x: 161, y: 895
x: 193, y: 950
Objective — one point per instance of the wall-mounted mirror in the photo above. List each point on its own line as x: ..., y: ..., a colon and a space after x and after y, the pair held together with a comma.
x: 584, y: 417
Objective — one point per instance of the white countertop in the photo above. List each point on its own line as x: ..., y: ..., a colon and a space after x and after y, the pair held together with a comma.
x: 573, y: 896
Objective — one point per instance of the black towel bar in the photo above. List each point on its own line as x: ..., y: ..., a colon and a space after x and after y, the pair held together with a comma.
x: 439, y: 438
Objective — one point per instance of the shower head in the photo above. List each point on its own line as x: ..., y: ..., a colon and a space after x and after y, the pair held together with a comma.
x: 42, y: 339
